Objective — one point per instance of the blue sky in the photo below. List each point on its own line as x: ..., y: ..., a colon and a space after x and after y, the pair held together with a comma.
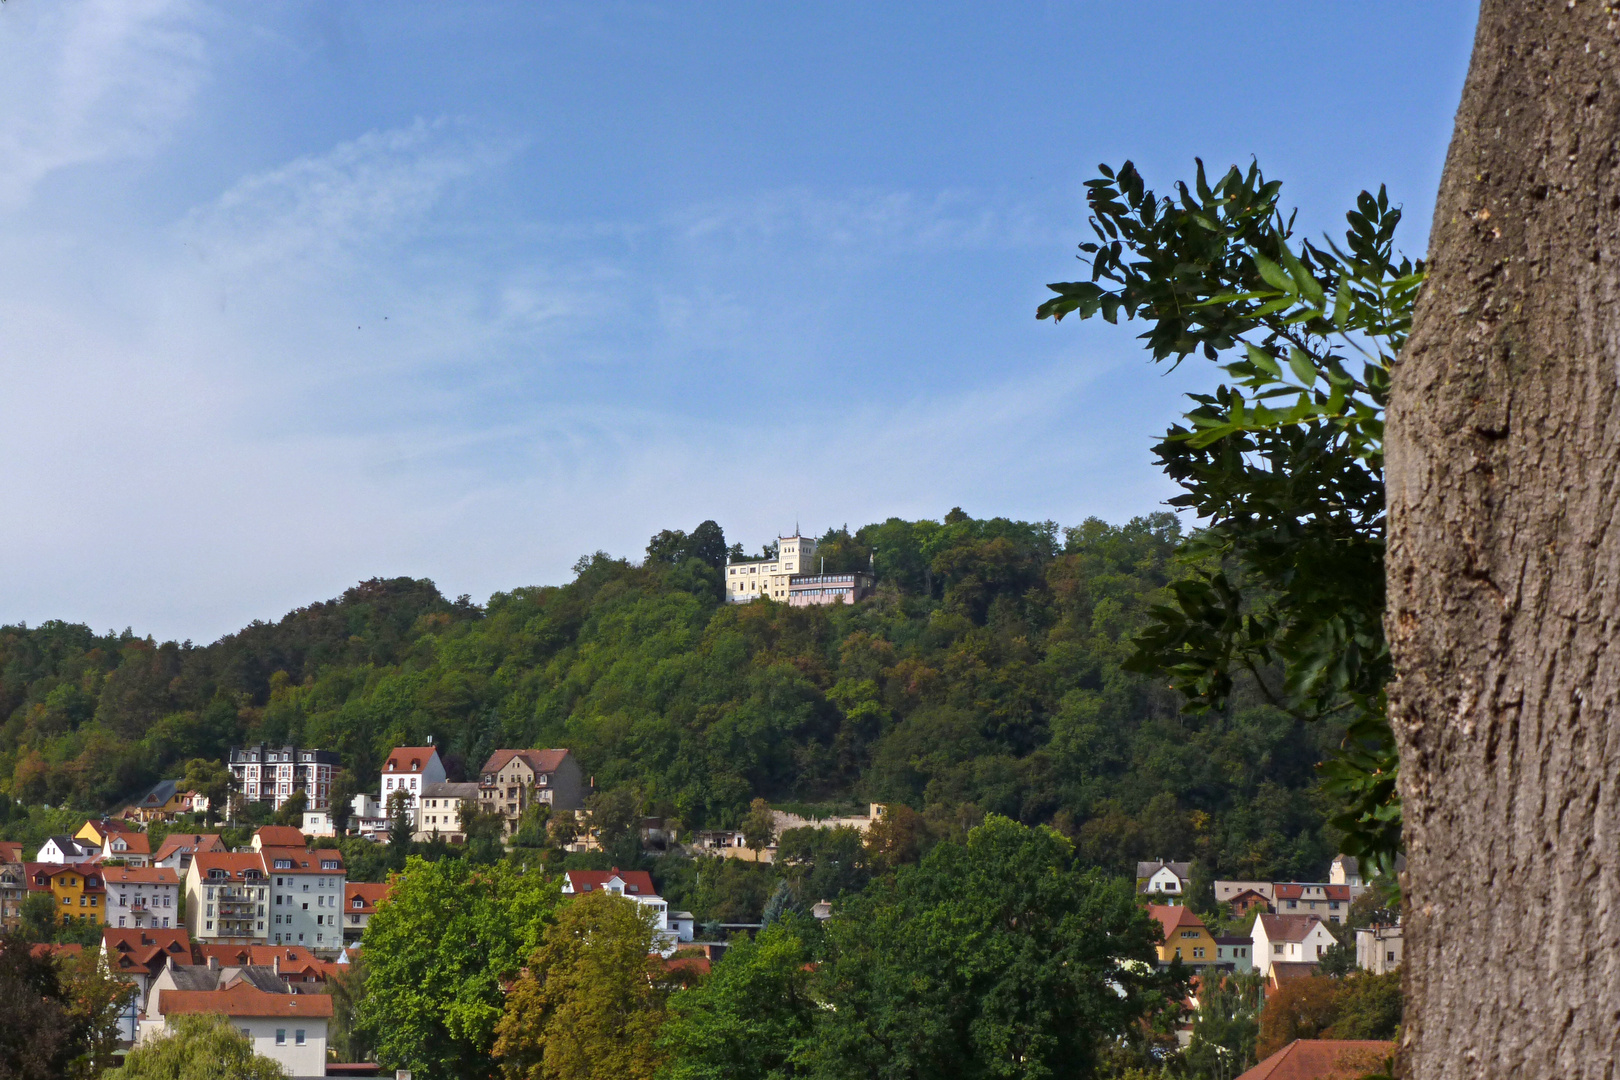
x: 294, y: 295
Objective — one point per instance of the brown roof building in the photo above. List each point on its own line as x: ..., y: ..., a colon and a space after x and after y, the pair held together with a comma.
x: 178, y: 848
x: 513, y: 780
x: 1323, y: 1059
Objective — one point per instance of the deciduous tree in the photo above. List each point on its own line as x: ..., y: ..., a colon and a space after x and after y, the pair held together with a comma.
x: 590, y: 1002
x: 437, y: 956
x: 200, y: 1047
x: 1504, y: 576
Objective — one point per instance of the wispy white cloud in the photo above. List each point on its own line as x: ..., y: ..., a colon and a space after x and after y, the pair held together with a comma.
x: 92, y: 81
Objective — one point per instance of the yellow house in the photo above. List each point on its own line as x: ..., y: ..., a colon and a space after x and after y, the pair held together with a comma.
x: 78, y: 888
x: 1185, y: 936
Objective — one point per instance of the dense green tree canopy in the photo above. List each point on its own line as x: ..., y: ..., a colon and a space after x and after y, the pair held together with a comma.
x: 985, y: 676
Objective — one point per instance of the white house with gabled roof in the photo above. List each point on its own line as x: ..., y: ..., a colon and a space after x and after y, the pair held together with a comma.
x: 409, y: 769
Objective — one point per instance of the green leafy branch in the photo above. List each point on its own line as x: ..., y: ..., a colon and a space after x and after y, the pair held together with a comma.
x: 1283, y: 462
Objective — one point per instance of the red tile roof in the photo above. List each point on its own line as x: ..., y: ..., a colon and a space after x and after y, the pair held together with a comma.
x: 1294, y: 890
x: 244, y: 999
x: 141, y: 875
x: 1287, y: 927
x: 279, y: 836
x: 11, y: 851
x: 303, y: 862
x: 1323, y: 1059
x: 91, y: 871
x: 541, y: 761
x: 1173, y: 917
x: 135, y: 843
x: 636, y: 882
x: 49, y: 949
x: 366, y: 891
x: 291, y: 959
x: 234, y: 863
x: 409, y: 759
x: 145, y: 951
x: 192, y: 842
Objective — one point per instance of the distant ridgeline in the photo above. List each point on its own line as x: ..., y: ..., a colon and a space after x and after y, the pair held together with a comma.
x: 983, y: 674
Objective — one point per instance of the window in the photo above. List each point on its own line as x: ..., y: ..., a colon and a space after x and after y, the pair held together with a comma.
x: 247, y: 1033
x: 209, y: 925
x: 298, y: 1037
x: 1277, y: 948
x: 1198, y: 953
x: 1389, y: 957
x: 281, y: 1036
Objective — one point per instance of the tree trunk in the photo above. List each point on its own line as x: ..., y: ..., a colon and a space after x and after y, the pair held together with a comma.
x: 1504, y: 570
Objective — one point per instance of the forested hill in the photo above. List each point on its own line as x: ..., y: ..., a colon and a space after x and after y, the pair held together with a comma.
x: 984, y: 676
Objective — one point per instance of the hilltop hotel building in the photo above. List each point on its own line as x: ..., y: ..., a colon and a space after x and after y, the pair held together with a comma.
x: 781, y: 578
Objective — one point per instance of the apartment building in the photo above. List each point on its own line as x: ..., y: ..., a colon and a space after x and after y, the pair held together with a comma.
x: 142, y: 897
x: 513, y: 780
x: 750, y: 579
x: 76, y: 887
x: 307, y: 889
x: 227, y: 897
x: 275, y: 774
x: 13, y: 888
x: 440, y: 813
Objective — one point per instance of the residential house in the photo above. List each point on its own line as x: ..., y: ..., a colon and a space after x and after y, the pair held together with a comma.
x: 76, y: 887
x: 142, y: 897
x: 1294, y: 938
x: 407, y: 769
x: 1227, y: 891
x: 275, y: 774
x: 227, y: 897
x: 1185, y: 936
x: 440, y: 812
x: 1248, y: 900
x: 290, y: 1029
x: 13, y: 889
x: 307, y: 889
x: 102, y: 833
x: 300, y: 969
x: 729, y: 844
x: 1283, y: 971
x: 368, y: 818
x: 1169, y: 879
x: 360, y: 899
x: 178, y: 848
x: 1324, y: 1059
x: 1345, y: 870
x: 318, y: 823
x: 163, y: 802
x: 1378, y: 948
x: 65, y: 849
x: 140, y: 956
x: 513, y: 780
x: 1235, y: 954
x: 280, y: 836
x: 634, y: 885
x: 1331, y: 902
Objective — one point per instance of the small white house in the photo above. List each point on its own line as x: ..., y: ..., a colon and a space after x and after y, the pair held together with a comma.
x: 1168, y: 879
x: 408, y: 769
x: 632, y: 885
x: 1378, y: 948
x: 318, y: 823
x: 289, y: 1029
x: 65, y: 849
x: 1290, y: 938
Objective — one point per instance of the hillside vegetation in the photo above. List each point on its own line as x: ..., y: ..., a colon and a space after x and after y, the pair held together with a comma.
x: 985, y: 676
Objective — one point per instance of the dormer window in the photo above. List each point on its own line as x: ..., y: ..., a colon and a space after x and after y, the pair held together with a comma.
x: 329, y: 864
x: 283, y: 864
x: 390, y: 766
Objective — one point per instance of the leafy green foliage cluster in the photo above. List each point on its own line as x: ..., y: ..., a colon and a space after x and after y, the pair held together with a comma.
x: 987, y: 675
x: 1283, y: 463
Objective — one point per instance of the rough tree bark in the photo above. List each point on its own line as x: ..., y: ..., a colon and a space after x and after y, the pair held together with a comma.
x: 1504, y: 565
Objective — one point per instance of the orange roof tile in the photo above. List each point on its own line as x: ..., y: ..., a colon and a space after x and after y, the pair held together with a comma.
x: 244, y: 999
x: 1173, y: 917
x: 141, y: 875
x: 409, y: 759
x: 1323, y: 1059
x: 368, y: 892
x: 280, y: 836
x: 541, y: 761
x: 192, y: 842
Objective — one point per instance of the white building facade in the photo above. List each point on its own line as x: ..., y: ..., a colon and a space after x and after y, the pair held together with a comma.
x: 409, y: 769
x: 146, y: 897
x: 1291, y: 938
x: 751, y: 579
x: 306, y: 906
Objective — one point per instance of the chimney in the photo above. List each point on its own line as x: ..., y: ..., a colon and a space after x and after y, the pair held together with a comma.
x: 275, y: 963
x: 213, y: 963
x: 430, y: 740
